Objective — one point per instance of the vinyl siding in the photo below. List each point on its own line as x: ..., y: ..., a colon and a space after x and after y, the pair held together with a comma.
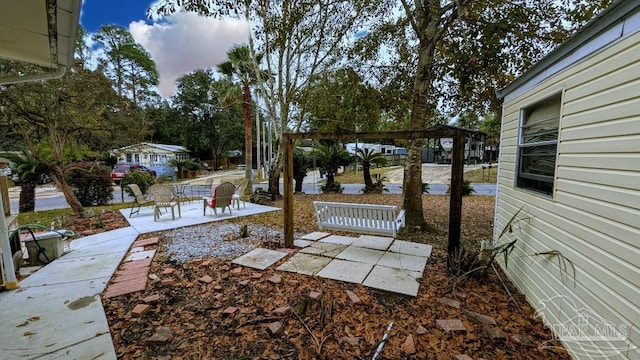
x: 593, y: 215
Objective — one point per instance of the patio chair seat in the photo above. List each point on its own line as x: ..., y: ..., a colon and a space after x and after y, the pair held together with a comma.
x: 139, y: 199
x: 221, y: 199
x: 164, y: 196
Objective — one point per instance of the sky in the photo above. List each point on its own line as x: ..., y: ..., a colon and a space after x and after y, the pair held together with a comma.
x: 178, y: 43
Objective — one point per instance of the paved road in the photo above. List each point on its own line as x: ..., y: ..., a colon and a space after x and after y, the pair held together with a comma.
x: 48, y: 198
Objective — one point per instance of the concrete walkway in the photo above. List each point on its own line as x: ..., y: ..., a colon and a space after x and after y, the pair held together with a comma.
x: 56, y: 313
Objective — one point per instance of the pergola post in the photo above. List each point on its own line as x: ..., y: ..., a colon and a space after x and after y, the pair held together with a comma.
x: 455, y: 201
x: 287, y: 143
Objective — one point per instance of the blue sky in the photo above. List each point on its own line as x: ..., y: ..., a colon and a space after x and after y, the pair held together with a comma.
x: 96, y: 13
x: 179, y: 43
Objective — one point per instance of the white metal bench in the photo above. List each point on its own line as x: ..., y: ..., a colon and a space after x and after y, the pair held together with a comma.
x: 361, y: 218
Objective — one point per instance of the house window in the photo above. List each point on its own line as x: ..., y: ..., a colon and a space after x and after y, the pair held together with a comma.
x: 129, y: 158
x: 538, y: 144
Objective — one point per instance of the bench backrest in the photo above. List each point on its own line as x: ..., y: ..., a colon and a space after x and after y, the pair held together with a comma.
x: 378, y: 219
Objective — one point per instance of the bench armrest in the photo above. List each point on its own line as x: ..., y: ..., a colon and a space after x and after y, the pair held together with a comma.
x: 400, y: 219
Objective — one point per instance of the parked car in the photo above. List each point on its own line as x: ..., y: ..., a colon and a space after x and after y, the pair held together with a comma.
x: 119, y: 171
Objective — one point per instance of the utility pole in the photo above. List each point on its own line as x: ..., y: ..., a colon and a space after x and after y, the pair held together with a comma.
x: 258, y: 165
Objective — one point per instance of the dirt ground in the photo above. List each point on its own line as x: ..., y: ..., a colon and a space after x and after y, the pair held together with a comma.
x: 208, y: 308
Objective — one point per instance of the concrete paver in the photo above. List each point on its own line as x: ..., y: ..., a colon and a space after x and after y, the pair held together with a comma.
x: 373, y: 242
x: 315, y: 236
x: 358, y: 254
x: 259, y: 258
x: 344, y: 270
x: 305, y: 264
x: 403, y: 261
x: 410, y: 248
x: 301, y: 243
x: 394, y: 280
x: 139, y: 255
x: 338, y: 239
x: 324, y: 249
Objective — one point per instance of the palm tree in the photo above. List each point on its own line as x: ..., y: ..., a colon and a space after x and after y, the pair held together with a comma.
x: 29, y: 171
x: 331, y: 158
x: 367, y: 157
x: 240, y: 67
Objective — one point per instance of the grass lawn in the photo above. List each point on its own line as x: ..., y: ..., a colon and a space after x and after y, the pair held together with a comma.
x: 488, y: 176
x: 351, y: 177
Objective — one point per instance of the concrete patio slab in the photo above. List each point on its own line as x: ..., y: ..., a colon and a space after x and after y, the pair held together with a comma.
x: 139, y: 255
x: 41, y: 321
x: 315, y: 236
x: 115, y: 244
x: 191, y: 215
x: 97, y: 268
x: 362, y: 255
x: 93, y: 348
x: 259, y: 258
x: 344, y: 270
x: 104, y: 238
x: 305, y: 264
x: 394, y: 280
x: 403, y: 261
x: 338, y: 239
x: 373, y: 242
x: 324, y: 249
x: 301, y: 243
x: 410, y: 248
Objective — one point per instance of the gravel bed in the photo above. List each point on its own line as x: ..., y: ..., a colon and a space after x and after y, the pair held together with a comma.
x: 221, y: 241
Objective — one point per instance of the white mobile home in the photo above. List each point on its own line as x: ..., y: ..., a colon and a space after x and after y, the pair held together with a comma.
x: 570, y: 158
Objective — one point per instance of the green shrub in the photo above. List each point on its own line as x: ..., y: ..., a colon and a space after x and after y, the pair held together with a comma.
x: 335, y: 187
x: 425, y: 188
x: 376, y: 187
x: 91, y: 183
x: 142, y: 179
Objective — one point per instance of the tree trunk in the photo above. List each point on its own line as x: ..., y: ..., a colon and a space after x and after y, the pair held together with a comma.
x: 298, y: 185
x: 71, y: 198
x: 366, y: 171
x: 275, y: 168
x: 248, y: 143
x: 421, y: 108
x: 27, y: 195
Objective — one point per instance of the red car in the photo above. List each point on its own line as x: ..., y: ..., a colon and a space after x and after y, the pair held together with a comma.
x: 119, y: 171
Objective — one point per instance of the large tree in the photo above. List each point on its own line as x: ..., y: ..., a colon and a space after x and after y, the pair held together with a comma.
x: 205, y: 126
x: 58, y: 118
x: 132, y: 71
x: 299, y: 39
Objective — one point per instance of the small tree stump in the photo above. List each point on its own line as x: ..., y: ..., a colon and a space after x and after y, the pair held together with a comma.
x: 244, y: 231
x: 307, y: 304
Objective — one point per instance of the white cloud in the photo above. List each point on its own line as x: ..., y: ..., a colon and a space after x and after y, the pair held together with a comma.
x: 184, y: 42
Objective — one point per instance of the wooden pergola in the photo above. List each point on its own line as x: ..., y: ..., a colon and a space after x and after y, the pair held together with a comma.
x: 441, y: 131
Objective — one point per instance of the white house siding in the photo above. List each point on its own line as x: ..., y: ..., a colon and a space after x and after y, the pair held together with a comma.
x: 593, y: 217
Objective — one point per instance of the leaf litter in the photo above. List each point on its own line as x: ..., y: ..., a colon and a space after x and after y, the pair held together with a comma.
x: 330, y: 326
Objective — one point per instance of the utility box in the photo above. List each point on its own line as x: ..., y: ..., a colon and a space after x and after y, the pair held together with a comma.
x: 50, y: 241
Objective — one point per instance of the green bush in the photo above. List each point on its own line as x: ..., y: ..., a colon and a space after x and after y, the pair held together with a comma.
x: 91, y: 183
x: 335, y: 187
x: 425, y: 188
x: 142, y: 179
x: 376, y: 187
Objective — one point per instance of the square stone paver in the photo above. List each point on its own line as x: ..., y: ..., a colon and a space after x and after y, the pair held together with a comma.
x: 259, y: 258
x: 141, y: 255
x: 305, y: 264
x: 410, y: 248
x: 302, y: 243
x: 315, y: 236
x: 358, y: 254
x: 324, y: 249
x: 343, y: 270
x: 394, y: 280
x: 373, y: 242
x: 338, y: 239
x: 403, y: 261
